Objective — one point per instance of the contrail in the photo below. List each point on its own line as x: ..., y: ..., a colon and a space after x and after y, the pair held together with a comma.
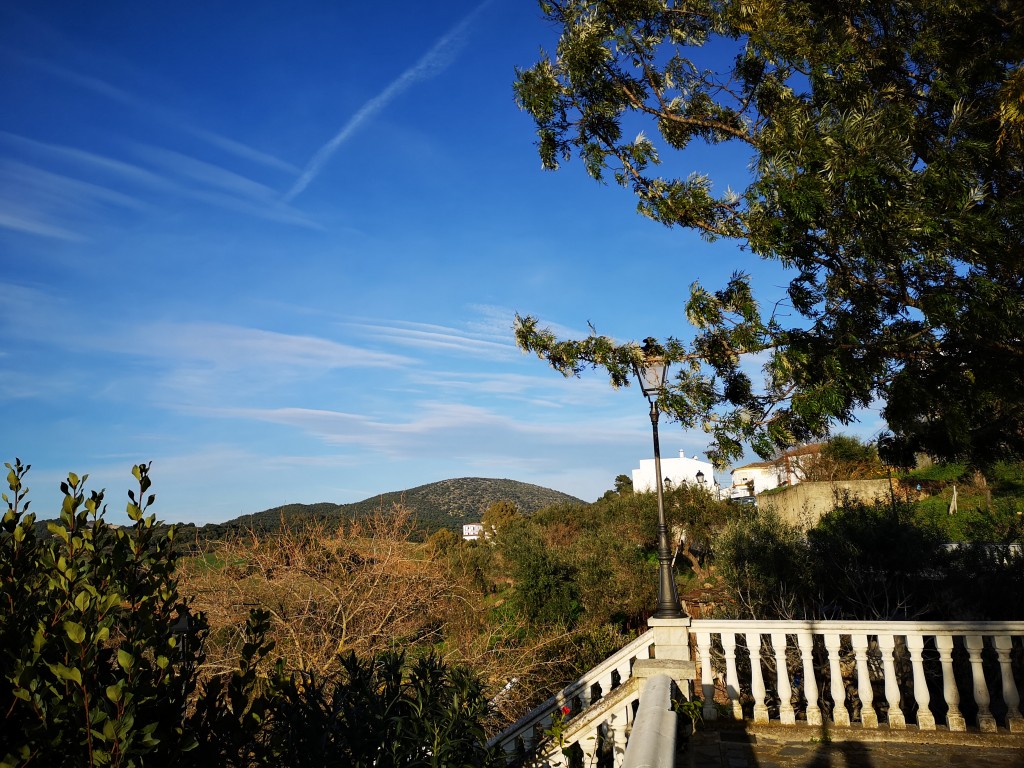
x: 433, y: 62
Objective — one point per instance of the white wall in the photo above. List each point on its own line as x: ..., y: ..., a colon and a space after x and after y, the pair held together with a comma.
x: 681, y: 471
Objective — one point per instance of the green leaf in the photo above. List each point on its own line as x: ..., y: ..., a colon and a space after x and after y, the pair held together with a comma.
x: 75, y: 631
x: 125, y: 660
x: 66, y: 673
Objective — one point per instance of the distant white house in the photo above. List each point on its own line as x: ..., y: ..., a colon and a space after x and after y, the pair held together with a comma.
x: 789, y: 469
x: 752, y: 479
x: 472, y: 531
x: 686, y: 470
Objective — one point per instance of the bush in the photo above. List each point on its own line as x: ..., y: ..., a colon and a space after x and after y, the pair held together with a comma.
x: 90, y: 672
x: 766, y: 563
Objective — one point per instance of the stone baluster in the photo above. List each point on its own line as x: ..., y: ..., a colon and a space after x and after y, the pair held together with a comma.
x: 922, y: 697
x: 509, y: 751
x: 707, y: 675
x: 868, y: 716
x: 787, y: 715
x: 589, y: 743
x: 954, y: 719
x: 1014, y: 721
x: 617, y: 721
x: 806, y: 642
x: 887, y: 644
x: 556, y: 758
x: 756, y: 677
x: 986, y: 721
x: 840, y: 714
x: 732, y: 679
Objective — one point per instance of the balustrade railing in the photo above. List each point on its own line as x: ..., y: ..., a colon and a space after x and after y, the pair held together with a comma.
x: 869, y: 672
x: 601, y: 706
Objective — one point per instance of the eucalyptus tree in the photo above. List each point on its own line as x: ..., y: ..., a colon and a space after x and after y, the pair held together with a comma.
x: 886, y: 140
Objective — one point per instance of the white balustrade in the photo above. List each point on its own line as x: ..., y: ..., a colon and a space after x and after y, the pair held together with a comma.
x: 732, y: 686
x: 579, y: 727
x: 805, y: 642
x: 1014, y: 721
x: 887, y: 644
x: 707, y: 674
x: 840, y: 714
x: 787, y: 715
x: 878, y: 650
x: 810, y: 661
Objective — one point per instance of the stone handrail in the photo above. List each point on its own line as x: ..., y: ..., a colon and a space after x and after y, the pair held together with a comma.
x: 874, y: 672
x: 652, y: 743
x: 609, y: 684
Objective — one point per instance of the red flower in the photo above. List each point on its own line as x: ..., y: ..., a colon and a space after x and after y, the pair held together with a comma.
x: 565, y: 711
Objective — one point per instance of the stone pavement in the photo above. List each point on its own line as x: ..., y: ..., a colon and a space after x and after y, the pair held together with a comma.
x: 804, y: 747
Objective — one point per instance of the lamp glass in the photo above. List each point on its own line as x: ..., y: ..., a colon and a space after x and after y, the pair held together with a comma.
x: 652, y: 376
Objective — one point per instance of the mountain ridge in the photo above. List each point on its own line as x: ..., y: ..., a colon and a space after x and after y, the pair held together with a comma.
x: 446, y: 503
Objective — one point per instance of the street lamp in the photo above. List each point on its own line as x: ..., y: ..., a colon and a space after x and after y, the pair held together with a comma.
x: 652, y: 374
x: 700, y: 478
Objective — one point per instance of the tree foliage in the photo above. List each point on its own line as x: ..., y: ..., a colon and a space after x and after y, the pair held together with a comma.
x: 886, y: 149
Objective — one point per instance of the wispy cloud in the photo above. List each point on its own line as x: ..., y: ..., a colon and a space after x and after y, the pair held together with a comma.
x: 159, y: 113
x: 196, y: 180
x: 49, y: 204
x: 434, y: 61
x: 205, y: 173
x: 429, y: 336
x: 433, y: 424
x: 234, y: 347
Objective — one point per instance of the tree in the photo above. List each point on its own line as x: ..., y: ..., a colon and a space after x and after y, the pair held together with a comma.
x: 546, y: 592
x: 499, y: 515
x: 887, y: 146
x: 843, y: 457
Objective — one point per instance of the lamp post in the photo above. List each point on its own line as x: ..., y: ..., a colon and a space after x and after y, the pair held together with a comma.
x: 700, y: 478
x: 652, y: 382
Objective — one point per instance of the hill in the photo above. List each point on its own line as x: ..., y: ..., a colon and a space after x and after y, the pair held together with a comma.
x: 444, y: 504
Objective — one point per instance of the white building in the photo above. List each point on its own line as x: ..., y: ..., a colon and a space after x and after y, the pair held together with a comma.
x: 752, y: 479
x: 789, y: 469
x: 472, y: 531
x: 675, y: 472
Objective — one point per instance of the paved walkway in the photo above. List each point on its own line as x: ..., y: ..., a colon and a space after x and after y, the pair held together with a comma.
x: 802, y: 747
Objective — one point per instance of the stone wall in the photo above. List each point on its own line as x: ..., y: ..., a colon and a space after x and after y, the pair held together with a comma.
x: 804, y: 504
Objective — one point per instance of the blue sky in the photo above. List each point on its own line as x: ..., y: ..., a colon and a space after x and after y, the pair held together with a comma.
x: 276, y: 249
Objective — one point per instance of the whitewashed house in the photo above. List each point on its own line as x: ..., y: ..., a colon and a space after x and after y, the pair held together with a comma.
x: 789, y: 469
x: 686, y: 470
x: 472, y: 531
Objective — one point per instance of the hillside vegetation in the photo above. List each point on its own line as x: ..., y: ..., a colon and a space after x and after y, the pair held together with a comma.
x: 446, y: 504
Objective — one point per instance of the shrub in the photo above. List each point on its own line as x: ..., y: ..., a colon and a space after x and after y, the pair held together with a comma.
x: 90, y: 672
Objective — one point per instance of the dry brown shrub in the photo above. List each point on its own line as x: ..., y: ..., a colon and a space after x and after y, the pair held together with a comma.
x: 367, y: 589
x: 328, y: 590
